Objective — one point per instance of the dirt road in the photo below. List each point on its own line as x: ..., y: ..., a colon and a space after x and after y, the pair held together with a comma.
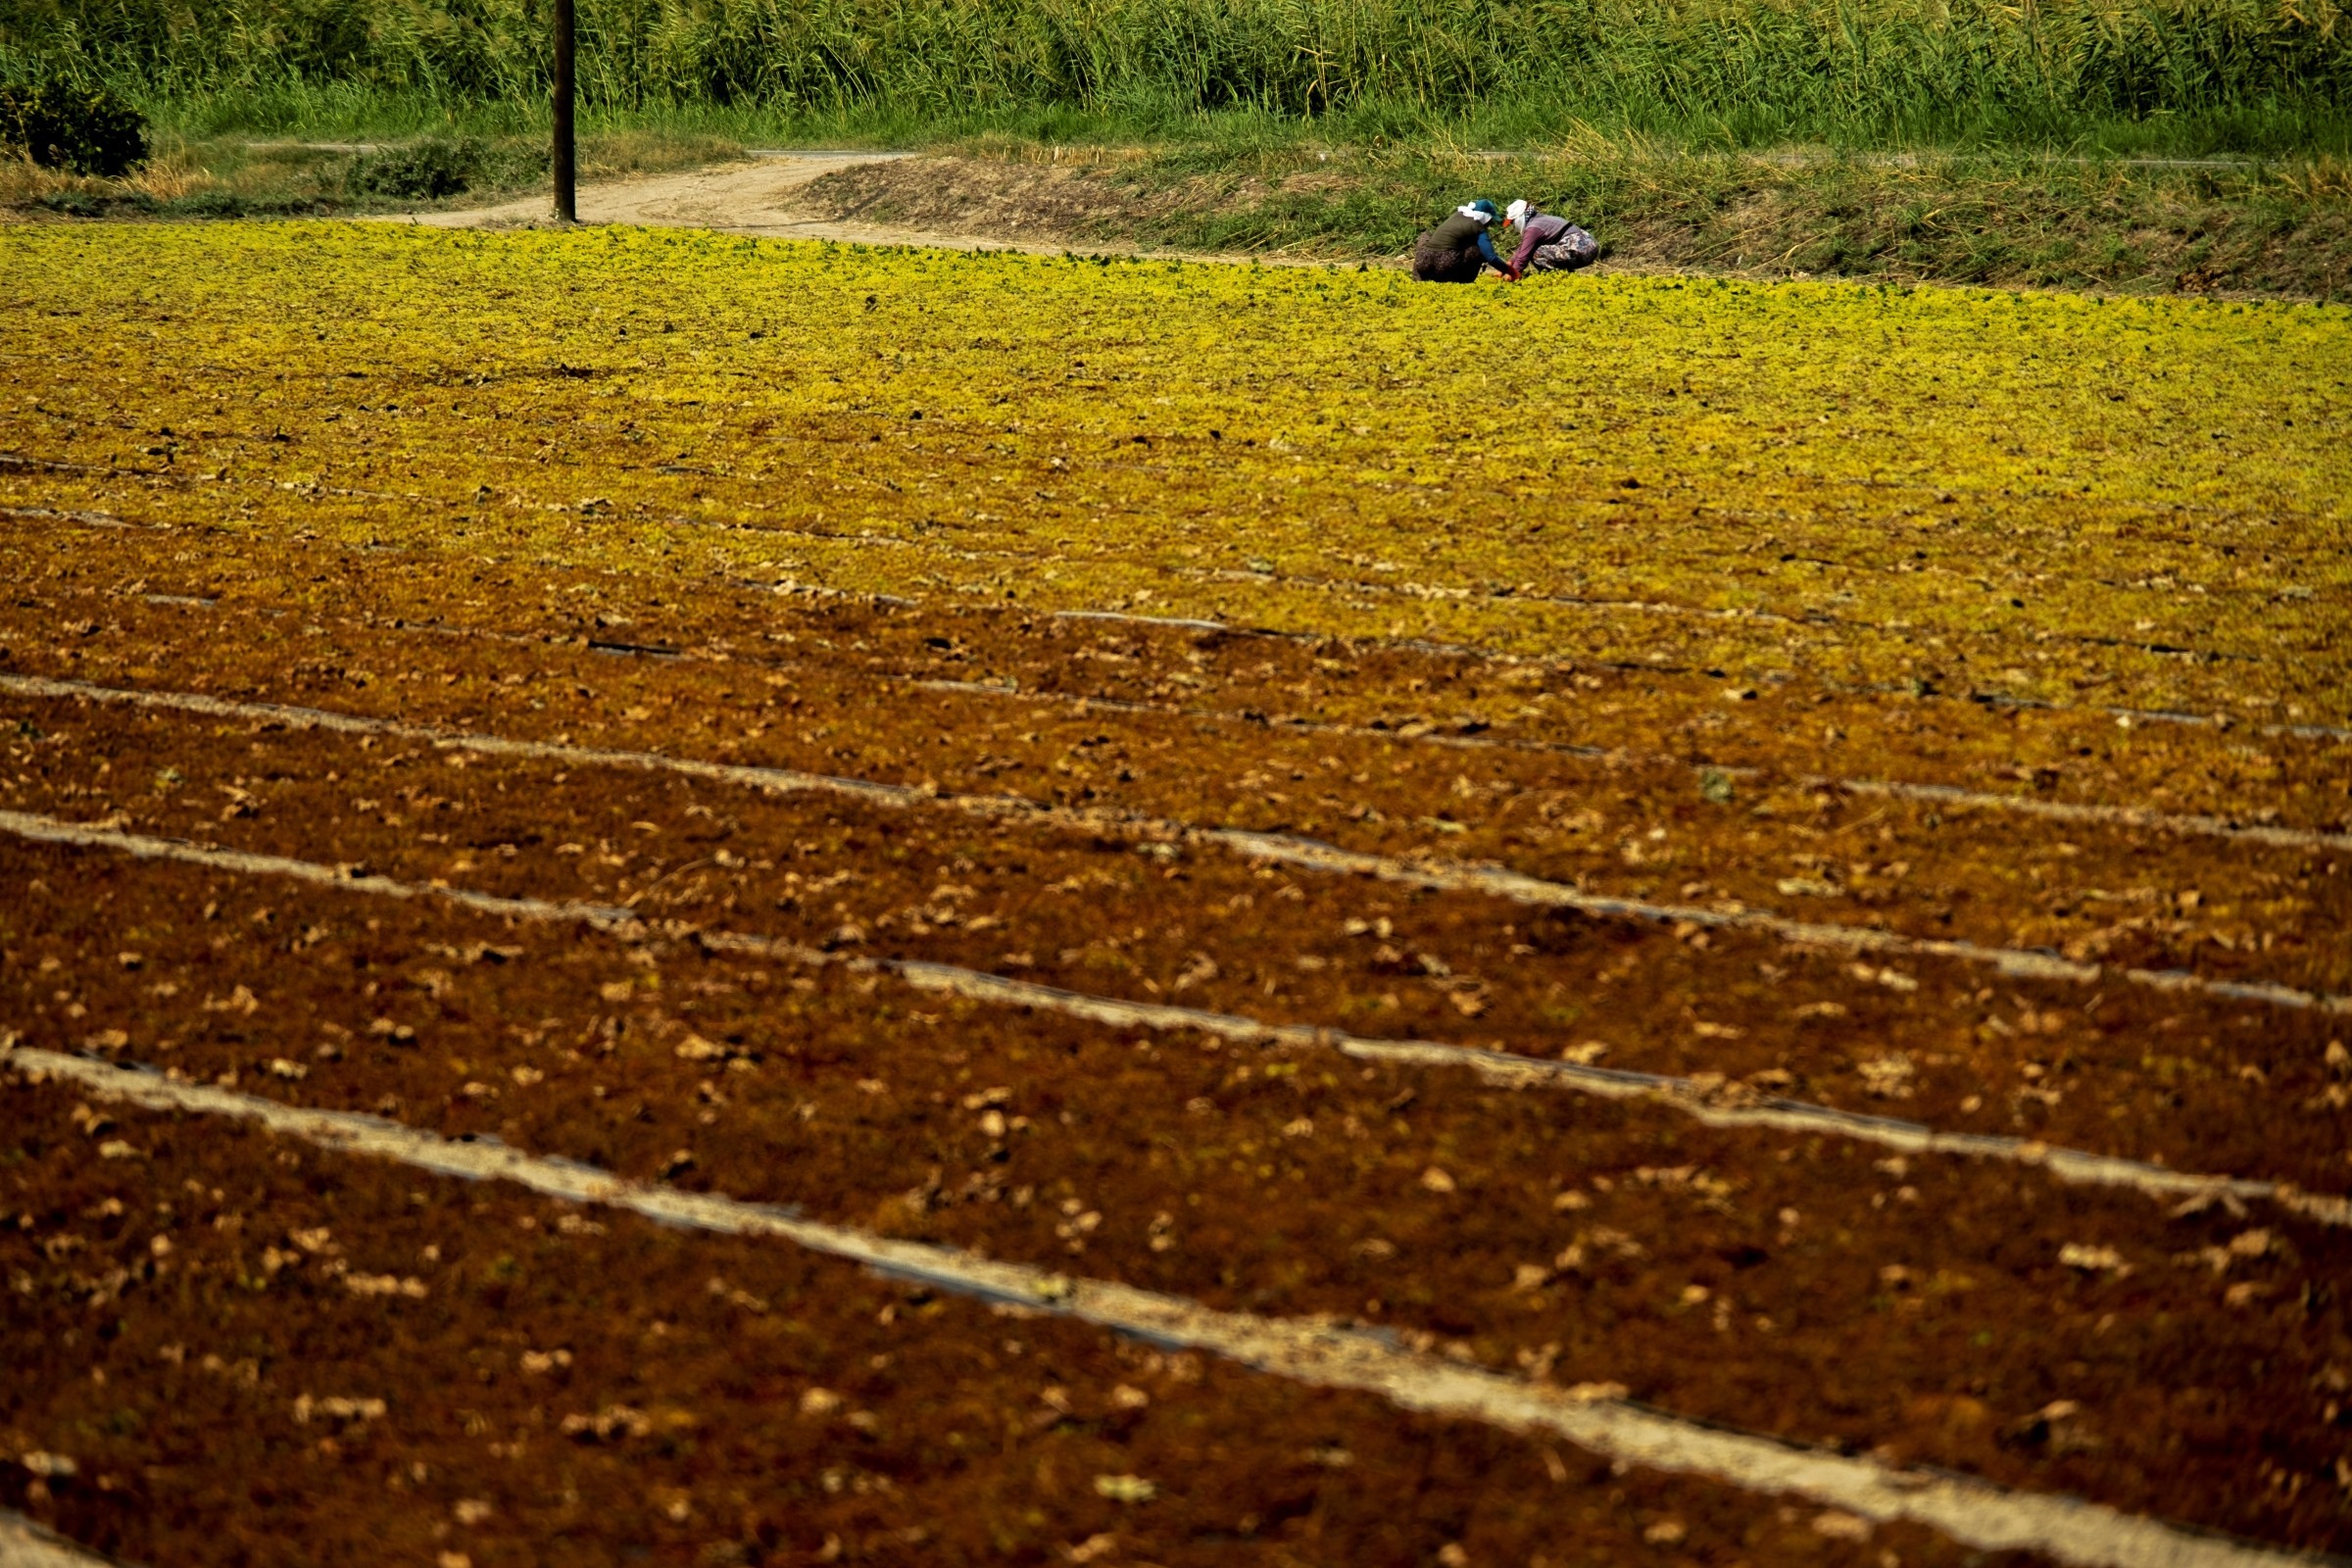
x: 766, y: 196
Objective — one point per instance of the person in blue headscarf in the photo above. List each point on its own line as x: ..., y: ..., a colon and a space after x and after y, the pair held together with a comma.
x: 1459, y: 249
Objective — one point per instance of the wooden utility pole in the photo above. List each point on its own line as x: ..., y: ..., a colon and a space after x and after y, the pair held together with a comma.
x: 566, y: 203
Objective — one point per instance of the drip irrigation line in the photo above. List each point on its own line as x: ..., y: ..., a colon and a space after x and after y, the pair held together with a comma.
x: 27, y: 1543
x: 1282, y: 849
x: 88, y: 519
x: 1713, y: 1103
x: 2186, y: 822
x: 349, y: 878
x: 1973, y: 1512
x: 1175, y: 622
x: 1650, y: 607
x: 2144, y: 716
x: 1493, y: 656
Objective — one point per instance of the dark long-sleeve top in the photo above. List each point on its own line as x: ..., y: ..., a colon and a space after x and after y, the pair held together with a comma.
x: 1459, y: 233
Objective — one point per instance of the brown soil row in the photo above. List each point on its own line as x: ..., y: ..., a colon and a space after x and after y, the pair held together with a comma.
x: 2224, y: 592
x: 2195, y: 1083
x: 809, y: 510
x: 2059, y: 755
x: 1792, y: 728
x: 1804, y: 1287
x: 2127, y: 895
x: 203, y: 1332
x: 1673, y: 624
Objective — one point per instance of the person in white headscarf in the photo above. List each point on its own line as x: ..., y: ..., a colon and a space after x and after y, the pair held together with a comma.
x: 1546, y: 243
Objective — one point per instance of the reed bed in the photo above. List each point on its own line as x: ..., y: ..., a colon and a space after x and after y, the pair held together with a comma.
x: 2258, y: 72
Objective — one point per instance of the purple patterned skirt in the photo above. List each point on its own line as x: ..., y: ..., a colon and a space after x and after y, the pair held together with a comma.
x: 1573, y: 249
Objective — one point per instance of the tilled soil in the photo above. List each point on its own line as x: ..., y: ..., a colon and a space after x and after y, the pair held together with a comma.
x: 2071, y: 877
x: 1808, y: 1287
x: 261, y: 1354
x: 1830, y: 598
x: 1726, y: 825
x: 2236, y: 768
x: 1930, y: 1039
x: 2186, y: 1359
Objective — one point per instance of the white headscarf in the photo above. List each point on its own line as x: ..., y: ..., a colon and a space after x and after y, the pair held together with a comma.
x: 1517, y: 212
x: 1474, y: 215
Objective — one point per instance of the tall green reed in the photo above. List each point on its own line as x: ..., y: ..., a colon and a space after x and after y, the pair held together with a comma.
x: 1739, y: 71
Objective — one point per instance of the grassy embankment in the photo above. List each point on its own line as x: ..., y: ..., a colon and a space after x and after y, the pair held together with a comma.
x: 2011, y: 216
x: 2198, y: 144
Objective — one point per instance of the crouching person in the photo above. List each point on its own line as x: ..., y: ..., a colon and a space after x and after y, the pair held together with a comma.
x: 1459, y: 248
x: 1547, y: 243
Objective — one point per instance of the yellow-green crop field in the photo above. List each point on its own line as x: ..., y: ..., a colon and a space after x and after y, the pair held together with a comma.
x: 2036, y: 495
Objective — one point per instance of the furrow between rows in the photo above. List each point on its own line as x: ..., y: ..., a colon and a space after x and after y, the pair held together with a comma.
x: 644, y: 1391
x: 2102, y: 815
x: 1852, y: 685
x: 2188, y: 824
x: 1707, y: 1103
x: 2124, y: 896
x: 2201, y: 824
x: 2191, y: 1082
x: 1401, y: 692
x: 1816, y: 1288
x: 1967, y: 1511
x: 1979, y: 697
x: 1276, y: 847
x: 1706, y: 772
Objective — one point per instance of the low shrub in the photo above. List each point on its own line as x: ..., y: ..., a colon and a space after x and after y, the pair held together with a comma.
x: 230, y: 204
x: 73, y: 204
x: 422, y: 170
x: 207, y: 204
x: 59, y: 124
